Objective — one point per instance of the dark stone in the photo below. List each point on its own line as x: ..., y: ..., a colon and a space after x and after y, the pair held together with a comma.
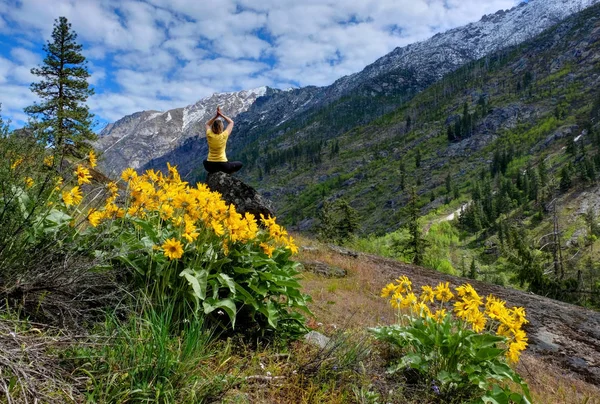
x: 320, y: 268
x: 242, y: 196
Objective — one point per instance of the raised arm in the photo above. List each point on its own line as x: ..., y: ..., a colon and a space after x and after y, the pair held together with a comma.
x: 229, y: 127
x: 209, y: 123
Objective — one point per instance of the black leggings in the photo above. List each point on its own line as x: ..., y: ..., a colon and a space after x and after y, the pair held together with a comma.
x: 228, y: 167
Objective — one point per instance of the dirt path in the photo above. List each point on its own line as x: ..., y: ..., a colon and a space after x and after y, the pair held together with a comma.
x: 561, y: 333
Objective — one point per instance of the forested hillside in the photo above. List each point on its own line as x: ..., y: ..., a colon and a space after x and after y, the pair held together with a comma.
x: 512, y: 138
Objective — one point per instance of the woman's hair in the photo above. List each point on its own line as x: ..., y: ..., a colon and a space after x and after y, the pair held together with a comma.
x: 217, y: 126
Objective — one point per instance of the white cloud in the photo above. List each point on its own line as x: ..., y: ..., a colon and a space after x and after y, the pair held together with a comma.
x: 158, y: 54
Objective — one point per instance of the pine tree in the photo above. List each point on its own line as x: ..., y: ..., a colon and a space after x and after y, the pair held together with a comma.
x: 571, y: 146
x: 473, y: 270
x: 448, y: 184
x: 402, y: 176
x: 543, y: 172
x: 62, y: 118
x: 565, y: 178
x: 418, y: 158
x: 338, y: 221
x: 416, y: 244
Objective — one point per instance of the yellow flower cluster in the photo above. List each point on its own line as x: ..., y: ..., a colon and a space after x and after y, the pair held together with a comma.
x: 72, y: 197
x: 278, y: 234
x: 188, y: 210
x: 467, y: 307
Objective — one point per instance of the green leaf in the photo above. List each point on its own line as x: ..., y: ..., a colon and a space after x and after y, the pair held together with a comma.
x: 149, y: 229
x: 485, y: 354
x: 248, y: 298
x: 227, y: 305
x: 226, y: 280
x: 198, y: 280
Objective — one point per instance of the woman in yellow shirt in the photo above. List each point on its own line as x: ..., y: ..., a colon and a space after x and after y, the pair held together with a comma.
x: 217, y: 137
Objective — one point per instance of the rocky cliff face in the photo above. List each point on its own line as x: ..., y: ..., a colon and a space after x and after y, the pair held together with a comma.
x: 136, y: 139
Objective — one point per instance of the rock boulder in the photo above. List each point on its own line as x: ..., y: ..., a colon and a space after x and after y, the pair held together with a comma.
x: 244, y: 197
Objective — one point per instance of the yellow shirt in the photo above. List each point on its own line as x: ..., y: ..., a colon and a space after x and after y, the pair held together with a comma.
x: 216, y: 145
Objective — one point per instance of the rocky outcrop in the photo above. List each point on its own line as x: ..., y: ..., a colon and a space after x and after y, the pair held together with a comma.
x: 321, y: 268
x: 243, y: 197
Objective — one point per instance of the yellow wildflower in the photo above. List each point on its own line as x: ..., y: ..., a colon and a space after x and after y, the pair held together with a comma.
x: 173, y: 249
x: 129, y: 174
x: 291, y: 245
x: 95, y: 217
x: 389, y: 289
x: 29, y: 182
x: 166, y: 211
x: 427, y: 295
x: 92, y: 159
x: 404, y: 284
x: 16, y: 163
x: 267, y: 249
x: 83, y: 175
x: 49, y: 161
x: 477, y: 320
x: 72, y: 197
x: 218, y: 228
x: 409, y: 300
x: 190, y: 233
x: 442, y: 292
x: 439, y: 315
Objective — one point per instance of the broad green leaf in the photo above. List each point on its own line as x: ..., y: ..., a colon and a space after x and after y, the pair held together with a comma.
x: 248, y: 298
x: 485, y: 354
x: 227, y: 305
x: 227, y: 281
x: 197, y: 279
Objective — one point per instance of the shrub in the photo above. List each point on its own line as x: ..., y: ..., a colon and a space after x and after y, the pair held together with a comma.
x: 36, y: 227
x: 186, y: 243
x: 460, y: 352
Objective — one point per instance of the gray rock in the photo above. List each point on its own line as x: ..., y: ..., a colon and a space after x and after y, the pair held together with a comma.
x: 317, y: 339
x: 343, y: 251
x: 320, y: 268
x: 244, y: 197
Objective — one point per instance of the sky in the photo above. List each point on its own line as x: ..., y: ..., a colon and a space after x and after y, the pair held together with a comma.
x: 163, y: 54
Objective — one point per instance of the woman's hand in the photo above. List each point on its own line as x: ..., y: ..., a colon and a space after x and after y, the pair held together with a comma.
x: 219, y: 111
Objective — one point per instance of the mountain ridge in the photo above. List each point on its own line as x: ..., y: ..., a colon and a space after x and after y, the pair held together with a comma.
x: 383, y: 85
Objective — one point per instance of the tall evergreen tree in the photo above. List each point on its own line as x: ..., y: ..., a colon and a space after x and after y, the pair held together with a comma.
x: 416, y: 244
x: 62, y: 118
x: 565, y: 178
x: 418, y: 158
x: 402, y: 176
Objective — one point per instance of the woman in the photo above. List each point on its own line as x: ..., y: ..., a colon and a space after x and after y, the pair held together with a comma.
x: 217, y: 137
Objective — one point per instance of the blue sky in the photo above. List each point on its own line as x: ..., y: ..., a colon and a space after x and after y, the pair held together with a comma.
x: 162, y: 54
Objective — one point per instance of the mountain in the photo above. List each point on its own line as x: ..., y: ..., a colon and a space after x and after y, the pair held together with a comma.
x: 509, y: 143
x: 136, y: 139
x: 380, y: 88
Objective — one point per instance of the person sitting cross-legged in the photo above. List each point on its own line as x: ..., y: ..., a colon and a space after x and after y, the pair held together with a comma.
x: 217, y: 137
